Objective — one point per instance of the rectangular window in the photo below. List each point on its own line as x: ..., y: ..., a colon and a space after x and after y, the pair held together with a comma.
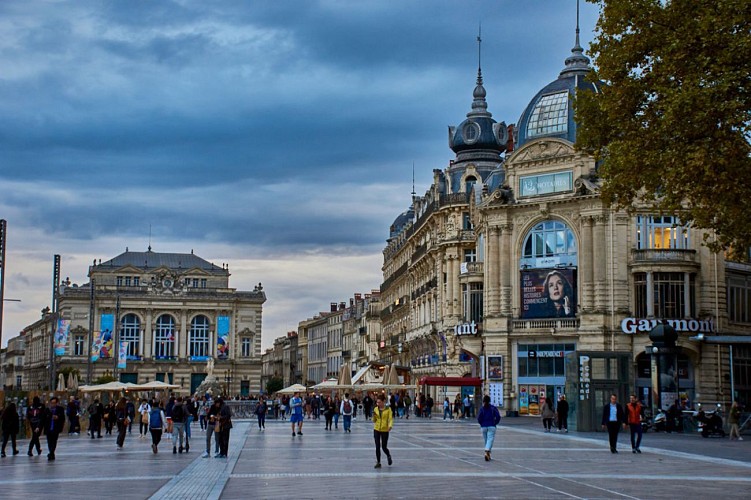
x: 549, y: 116
x: 195, y: 282
x: 78, y: 345
x: 203, y: 282
x: 119, y: 281
x: 245, y: 347
x: 127, y: 281
x: 669, y: 296
x: 739, y: 299
x: 467, y: 221
x: 472, y: 300
x: 136, y: 281
x: 470, y: 255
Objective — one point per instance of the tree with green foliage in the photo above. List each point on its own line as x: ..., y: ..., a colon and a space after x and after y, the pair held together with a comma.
x: 671, y: 126
x: 274, y: 384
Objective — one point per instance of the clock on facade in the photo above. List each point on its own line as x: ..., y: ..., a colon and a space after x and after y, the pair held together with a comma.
x: 167, y: 283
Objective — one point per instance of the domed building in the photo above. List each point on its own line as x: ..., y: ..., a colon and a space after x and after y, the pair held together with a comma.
x: 512, y: 277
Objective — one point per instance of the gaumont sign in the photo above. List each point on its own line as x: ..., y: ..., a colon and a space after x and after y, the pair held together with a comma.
x: 642, y: 325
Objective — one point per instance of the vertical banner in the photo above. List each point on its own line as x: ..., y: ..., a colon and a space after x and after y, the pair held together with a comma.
x: 105, y: 337
x: 122, y: 354
x: 61, y: 336
x: 96, y: 344
x: 222, y: 337
x: 496, y: 394
x: 548, y: 293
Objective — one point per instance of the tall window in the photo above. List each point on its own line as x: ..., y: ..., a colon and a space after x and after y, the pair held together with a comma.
x: 195, y: 282
x: 119, y: 281
x: 661, y: 232
x: 472, y: 299
x: 739, y: 299
x: 78, y: 345
x: 470, y: 255
x: 130, y: 332
x: 245, y: 347
x: 203, y: 282
x: 469, y: 183
x: 670, y: 297
x: 198, y: 338
x: 164, y: 337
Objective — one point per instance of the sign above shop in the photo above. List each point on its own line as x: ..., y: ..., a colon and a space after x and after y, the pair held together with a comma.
x: 545, y: 354
x: 534, y: 185
x: 633, y: 326
x: 466, y: 329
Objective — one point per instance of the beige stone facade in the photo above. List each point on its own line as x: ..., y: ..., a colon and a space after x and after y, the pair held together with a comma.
x: 174, y: 311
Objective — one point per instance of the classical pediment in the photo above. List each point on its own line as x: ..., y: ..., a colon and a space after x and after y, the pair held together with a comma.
x: 542, y: 150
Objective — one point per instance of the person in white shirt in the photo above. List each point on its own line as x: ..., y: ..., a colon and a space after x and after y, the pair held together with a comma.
x: 144, y: 411
x: 346, y: 409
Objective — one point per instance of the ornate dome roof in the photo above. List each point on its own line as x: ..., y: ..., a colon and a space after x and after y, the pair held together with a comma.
x: 479, y: 131
x: 551, y: 112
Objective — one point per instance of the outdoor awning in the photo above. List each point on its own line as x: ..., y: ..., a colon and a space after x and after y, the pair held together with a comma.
x: 360, y: 374
x: 452, y: 381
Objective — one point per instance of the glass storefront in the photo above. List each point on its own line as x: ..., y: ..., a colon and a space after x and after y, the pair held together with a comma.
x: 541, y: 374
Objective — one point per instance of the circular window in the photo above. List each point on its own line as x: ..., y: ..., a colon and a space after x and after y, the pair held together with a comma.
x: 471, y: 132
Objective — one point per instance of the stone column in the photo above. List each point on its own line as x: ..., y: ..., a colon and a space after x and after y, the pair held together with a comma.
x: 182, y: 336
x: 506, y: 270
x: 650, y: 295
x: 599, y: 258
x: 585, y: 264
x: 148, y: 335
x: 492, y: 276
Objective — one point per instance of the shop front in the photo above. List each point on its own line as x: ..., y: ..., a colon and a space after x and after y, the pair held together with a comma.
x: 541, y: 374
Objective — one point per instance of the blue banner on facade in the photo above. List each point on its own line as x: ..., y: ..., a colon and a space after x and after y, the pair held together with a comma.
x: 222, y: 337
x: 106, y: 327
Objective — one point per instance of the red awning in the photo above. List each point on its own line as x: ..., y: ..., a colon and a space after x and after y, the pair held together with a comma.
x: 452, y: 381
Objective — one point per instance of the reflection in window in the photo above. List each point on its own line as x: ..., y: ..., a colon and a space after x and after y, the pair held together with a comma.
x: 130, y: 332
x: 550, y: 115
x: 549, y: 238
x: 199, y: 337
x: 164, y: 337
x: 661, y: 232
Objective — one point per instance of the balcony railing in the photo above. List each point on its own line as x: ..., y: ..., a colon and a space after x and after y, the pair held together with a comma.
x: 473, y: 267
x: 545, y: 324
x: 663, y: 255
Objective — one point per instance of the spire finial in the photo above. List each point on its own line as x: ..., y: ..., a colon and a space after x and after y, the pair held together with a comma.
x: 577, y: 62
x: 413, y: 179
x: 149, y: 237
x: 479, y: 105
x: 479, y: 54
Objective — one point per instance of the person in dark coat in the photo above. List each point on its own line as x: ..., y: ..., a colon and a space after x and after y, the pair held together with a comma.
x: 562, y: 414
x: 35, y: 416
x: 54, y: 423
x: 10, y: 427
x: 225, y: 420
x: 96, y: 413
x: 613, y: 417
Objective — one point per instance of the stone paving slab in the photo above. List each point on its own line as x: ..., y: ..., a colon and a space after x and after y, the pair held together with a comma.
x: 432, y: 459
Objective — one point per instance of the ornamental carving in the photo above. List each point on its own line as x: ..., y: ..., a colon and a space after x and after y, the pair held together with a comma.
x: 543, y: 150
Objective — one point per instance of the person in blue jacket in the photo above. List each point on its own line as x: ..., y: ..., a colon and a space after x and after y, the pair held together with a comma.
x: 488, y: 417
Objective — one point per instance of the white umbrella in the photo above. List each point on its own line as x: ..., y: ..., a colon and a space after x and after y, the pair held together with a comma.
x: 61, y: 383
x: 109, y: 386
x: 293, y: 389
x: 327, y: 384
x: 155, y: 385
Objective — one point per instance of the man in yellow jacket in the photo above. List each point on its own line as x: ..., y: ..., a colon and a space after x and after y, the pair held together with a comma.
x: 383, y: 421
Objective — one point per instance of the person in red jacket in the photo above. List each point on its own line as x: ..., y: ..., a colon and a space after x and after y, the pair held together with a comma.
x: 635, y: 415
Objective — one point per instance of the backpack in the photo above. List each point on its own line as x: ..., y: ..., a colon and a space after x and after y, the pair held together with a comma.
x: 347, y: 407
x: 178, y: 414
x: 155, y: 418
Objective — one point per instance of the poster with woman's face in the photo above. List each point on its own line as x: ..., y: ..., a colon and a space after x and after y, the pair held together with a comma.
x: 548, y: 293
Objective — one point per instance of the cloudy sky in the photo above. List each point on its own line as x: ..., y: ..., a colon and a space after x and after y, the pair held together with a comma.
x: 275, y: 136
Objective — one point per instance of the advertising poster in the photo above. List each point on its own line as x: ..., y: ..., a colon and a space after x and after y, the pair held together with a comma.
x: 495, y: 368
x: 122, y: 354
x: 222, y: 337
x: 105, y: 337
x: 523, y: 400
x: 95, y: 346
x: 534, y: 400
x: 61, y: 336
x: 496, y: 394
x: 548, y: 293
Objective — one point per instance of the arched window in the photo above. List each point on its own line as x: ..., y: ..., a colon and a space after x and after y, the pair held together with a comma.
x: 130, y: 332
x: 164, y: 337
x: 198, y: 337
x: 469, y: 183
x: 548, y: 272
x: 549, y: 239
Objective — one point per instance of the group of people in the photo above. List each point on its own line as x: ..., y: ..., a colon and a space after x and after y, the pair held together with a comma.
x: 559, y: 414
x: 173, y: 418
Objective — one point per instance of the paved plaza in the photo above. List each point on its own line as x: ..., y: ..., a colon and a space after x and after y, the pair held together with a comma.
x: 432, y: 459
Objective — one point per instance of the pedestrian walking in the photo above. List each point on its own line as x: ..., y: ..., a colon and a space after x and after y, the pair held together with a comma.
x: 109, y: 417
x: 144, y: 411
x: 346, y: 410
x: 191, y: 415
x: 54, y: 423
x: 562, y: 414
x: 72, y: 410
x: 367, y: 405
x: 35, y: 415
x: 337, y: 405
x: 123, y: 421
x: 613, y: 417
x: 10, y: 427
x: 328, y: 412
x: 179, y: 417
x: 635, y: 417
x: 225, y: 423
x: 261, y: 409
x: 489, y: 417
x: 157, y: 422
x: 447, y: 409
x: 407, y: 406
x: 547, y: 415
x: 96, y: 413
x: 734, y: 418
x: 212, y: 421
x: 466, y: 406
x: 383, y: 421
x: 130, y: 409
x: 296, y: 417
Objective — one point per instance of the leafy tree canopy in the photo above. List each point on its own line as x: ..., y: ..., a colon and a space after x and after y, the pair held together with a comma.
x: 274, y: 384
x: 671, y: 126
